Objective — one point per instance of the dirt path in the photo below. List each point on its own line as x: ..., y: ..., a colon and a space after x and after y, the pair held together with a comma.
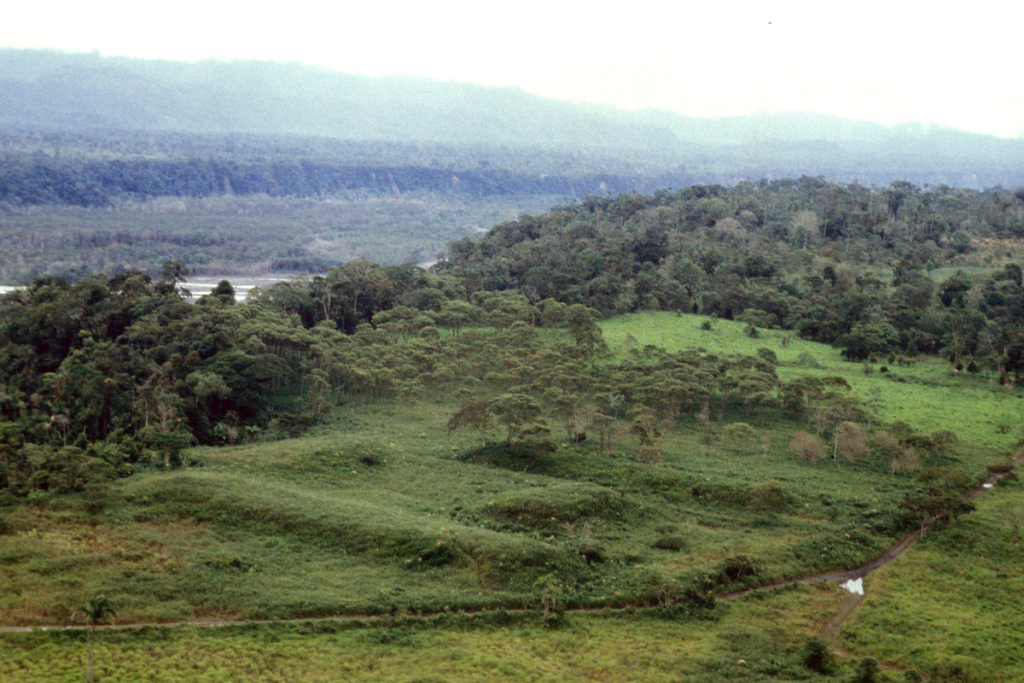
x: 829, y: 631
x: 832, y: 627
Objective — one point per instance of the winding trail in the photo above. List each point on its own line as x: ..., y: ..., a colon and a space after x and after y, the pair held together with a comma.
x: 831, y: 628
x: 829, y: 631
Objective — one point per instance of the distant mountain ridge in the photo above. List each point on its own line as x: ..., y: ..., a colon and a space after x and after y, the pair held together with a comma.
x: 52, y: 91
x: 85, y: 91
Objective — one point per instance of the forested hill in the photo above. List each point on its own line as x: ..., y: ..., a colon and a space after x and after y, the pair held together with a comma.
x: 725, y: 251
x: 123, y: 366
x: 62, y: 93
x: 844, y: 265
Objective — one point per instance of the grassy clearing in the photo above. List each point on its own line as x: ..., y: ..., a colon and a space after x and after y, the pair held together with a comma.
x: 745, y: 638
x: 390, y: 514
x: 924, y: 395
x: 594, y: 649
x: 953, y: 599
x: 381, y: 510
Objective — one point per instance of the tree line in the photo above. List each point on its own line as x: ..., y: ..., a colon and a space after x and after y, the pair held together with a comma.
x: 35, y: 181
x: 840, y: 264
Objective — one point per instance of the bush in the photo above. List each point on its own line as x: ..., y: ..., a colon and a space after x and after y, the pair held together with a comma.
x: 851, y: 442
x: 553, y: 506
x: 952, y: 673
x: 370, y: 458
x: 292, y: 424
x: 722, y: 494
x: 767, y: 497
x: 807, y: 360
x: 738, y: 567
x: 867, y: 671
x: 673, y: 543
x: 807, y: 447
x: 438, y: 556
x: 817, y: 657
x: 738, y: 434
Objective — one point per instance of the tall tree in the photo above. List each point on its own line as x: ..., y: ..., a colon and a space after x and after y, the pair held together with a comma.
x: 95, y: 610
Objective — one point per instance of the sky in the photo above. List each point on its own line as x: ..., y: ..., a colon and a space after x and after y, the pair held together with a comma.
x: 886, y: 62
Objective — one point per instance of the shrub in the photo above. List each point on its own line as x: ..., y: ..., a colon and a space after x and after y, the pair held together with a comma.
x: 807, y: 360
x: 919, y: 443
x: 550, y: 507
x: 439, y: 555
x: 737, y: 434
x: 673, y: 543
x: 738, y: 567
x: 817, y: 657
x: 867, y: 671
x: 722, y: 494
x: 884, y: 446
x: 807, y: 447
x: 370, y: 458
x: 851, y: 443
x: 293, y: 424
x: 905, y: 462
x: 945, y: 441
x: 767, y: 497
x: 954, y: 672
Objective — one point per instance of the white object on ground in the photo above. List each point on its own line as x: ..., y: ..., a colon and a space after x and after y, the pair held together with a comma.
x: 986, y: 486
x: 854, y: 586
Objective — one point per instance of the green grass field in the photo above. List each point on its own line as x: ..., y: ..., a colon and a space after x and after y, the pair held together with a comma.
x: 924, y: 395
x: 381, y: 510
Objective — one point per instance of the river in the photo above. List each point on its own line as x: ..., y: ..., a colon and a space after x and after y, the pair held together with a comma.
x: 204, y: 285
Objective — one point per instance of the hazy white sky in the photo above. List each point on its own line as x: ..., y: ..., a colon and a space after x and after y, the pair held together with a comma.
x: 888, y: 62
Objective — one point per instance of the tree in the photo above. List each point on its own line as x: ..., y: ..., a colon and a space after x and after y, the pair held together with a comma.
x: 223, y: 292
x: 169, y: 444
x: 10, y: 442
x: 737, y: 434
x: 850, y: 441
x: 606, y: 428
x: 457, y: 314
x: 868, y: 671
x: 1013, y: 515
x: 95, y: 610
x: 805, y: 225
x: 868, y: 339
x: 512, y: 410
x: 941, y: 498
x: 172, y: 273
x: 476, y: 415
x: 647, y: 428
x: 584, y: 330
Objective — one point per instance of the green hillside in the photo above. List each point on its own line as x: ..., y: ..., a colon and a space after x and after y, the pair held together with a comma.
x: 575, y: 448
x: 383, y: 510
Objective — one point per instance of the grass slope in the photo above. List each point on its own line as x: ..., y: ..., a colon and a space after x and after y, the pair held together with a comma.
x: 382, y: 510
x: 924, y: 395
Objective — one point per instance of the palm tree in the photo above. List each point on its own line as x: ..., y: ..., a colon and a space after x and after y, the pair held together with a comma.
x: 96, y: 610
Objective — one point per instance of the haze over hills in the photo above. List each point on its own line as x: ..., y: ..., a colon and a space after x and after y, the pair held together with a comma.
x: 60, y: 92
